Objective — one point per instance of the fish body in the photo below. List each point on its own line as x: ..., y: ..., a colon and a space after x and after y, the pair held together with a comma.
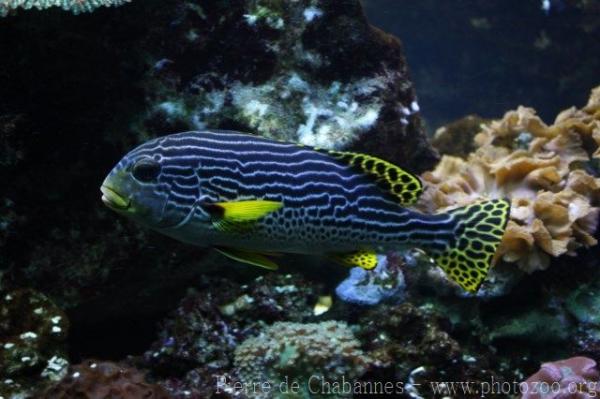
x: 250, y: 197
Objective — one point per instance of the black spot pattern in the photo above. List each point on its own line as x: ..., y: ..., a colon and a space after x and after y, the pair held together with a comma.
x: 393, y: 180
x: 478, y: 233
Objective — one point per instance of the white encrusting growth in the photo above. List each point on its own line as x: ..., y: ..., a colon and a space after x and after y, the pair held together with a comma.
x: 75, y: 6
x: 546, y: 6
x: 251, y: 19
x: 311, y: 13
x: 333, y: 116
x: 56, y: 368
x: 406, y: 112
x: 414, y: 106
x: 172, y: 108
x: 28, y: 335
x: 256, y: 107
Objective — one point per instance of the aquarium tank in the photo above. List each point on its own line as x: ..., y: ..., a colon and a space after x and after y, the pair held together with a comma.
x: 269, y: 199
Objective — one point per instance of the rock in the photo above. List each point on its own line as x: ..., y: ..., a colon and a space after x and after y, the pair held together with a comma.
x: 104, y: 380
x: 312, y: 72
x: 33, y: 352
x: 457, y: 138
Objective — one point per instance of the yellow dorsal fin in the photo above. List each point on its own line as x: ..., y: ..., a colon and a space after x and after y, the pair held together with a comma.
x: 250, y: 258
x: 404, y: 186
x: 365, y: 258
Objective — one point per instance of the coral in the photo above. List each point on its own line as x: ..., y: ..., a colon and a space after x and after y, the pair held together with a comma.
x: 309, y: 71
x: 384, y: 282
x: 75, y: 6
x: 33, y: 331
x: 546, y: 171
x: 574, y: 378
x: 302, y: 354
x: 104, y: 380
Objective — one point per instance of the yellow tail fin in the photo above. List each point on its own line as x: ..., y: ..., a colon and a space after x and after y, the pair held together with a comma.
x: 478, y: 233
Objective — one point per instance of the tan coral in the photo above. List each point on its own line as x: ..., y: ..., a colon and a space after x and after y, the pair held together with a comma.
x: 541, y: 169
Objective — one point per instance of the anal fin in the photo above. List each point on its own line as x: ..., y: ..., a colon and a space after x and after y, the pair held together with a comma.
x: 251, y: 258
x: 364, y: 258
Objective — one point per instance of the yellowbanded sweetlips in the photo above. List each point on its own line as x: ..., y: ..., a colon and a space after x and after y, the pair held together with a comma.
x: 250, y: 198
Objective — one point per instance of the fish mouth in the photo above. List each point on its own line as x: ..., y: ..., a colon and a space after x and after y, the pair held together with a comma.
x: 113, y: 199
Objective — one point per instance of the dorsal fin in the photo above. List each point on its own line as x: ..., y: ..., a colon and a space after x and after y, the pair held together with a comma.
x: 404, y: 186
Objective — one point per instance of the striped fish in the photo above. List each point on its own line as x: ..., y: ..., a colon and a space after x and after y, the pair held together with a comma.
x: 251, y: 198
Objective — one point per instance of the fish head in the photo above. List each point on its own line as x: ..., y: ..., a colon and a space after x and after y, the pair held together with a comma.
x: 152, y: 187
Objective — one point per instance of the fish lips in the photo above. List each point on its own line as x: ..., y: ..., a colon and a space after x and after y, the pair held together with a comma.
x: 113, y: 199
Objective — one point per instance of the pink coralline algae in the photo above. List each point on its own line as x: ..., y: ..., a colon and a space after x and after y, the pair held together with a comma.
x: 574, y: 378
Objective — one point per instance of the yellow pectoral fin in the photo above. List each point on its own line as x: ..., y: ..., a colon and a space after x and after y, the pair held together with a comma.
x: 250, y: 258
x: 239, y: 216
x: 244, y: 211
x: 365, y: 259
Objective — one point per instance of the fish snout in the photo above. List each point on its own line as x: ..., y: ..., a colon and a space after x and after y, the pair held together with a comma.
x: 114, y: 199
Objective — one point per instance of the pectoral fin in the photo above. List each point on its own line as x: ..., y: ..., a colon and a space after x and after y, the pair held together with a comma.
x: 240, y: 215
x: 250, y: 258
x: 365, y: 259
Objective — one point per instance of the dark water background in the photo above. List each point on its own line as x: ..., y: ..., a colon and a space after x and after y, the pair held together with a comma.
x: 486, y: 57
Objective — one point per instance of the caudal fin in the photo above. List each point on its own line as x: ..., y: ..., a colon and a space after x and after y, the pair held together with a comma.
x: 479, y: 230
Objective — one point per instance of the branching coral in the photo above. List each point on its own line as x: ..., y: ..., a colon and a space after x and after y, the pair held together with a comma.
x: 547, y: 172
x: 75, y: 6
x: 298, y: 353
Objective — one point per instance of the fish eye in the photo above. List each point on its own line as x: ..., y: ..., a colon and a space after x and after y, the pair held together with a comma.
x: 146, y: 170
